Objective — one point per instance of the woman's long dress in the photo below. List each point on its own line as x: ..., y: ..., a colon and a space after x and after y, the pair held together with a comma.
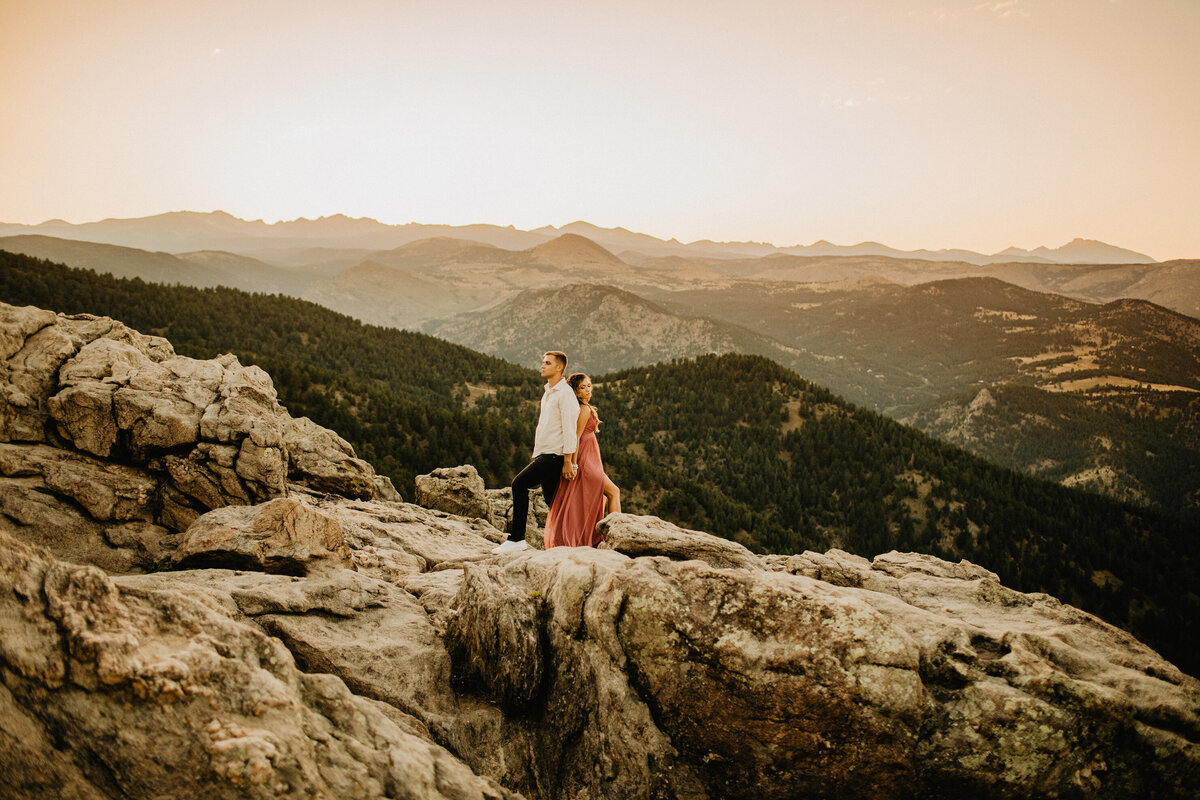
x: 579, y: 503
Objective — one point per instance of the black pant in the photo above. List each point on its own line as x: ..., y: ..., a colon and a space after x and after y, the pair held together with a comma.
x: 545, y: 470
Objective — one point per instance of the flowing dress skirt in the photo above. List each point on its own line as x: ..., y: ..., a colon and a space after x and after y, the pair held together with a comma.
x: 579, y: 503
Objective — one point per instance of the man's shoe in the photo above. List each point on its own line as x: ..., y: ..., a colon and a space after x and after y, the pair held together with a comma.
x: 509, y: 546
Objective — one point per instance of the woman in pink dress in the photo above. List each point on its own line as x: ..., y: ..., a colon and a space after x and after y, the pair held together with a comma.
x: 579, y: 502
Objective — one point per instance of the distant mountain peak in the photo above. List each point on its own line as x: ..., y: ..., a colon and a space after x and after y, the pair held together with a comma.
x: 1092, y: 251
x: 573, y: 248
x: 444, y: 247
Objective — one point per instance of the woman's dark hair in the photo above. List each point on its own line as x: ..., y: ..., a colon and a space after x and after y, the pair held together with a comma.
x: 574, y: 380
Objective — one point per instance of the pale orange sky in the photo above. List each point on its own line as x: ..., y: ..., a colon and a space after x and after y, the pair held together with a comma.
x: 917, y: 123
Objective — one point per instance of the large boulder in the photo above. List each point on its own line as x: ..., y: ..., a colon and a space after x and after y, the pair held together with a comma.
x: 455, y: 490
x: 321, y: 459
x: 650, y: 536
x: 283, y: 536
x: 395, y: 541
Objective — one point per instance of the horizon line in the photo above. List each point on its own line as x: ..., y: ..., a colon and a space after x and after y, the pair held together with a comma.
x: 510, y: 226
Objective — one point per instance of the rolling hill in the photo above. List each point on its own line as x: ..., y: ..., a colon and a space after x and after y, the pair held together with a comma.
x: 201, y: 268
x: 1174, y: 284
x: 602, y: 328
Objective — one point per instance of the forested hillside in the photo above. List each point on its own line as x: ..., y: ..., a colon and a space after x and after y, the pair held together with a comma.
x: 403, y: 399
x: 735, y: 445
x: 1105, y: 397
x: 743, y: 446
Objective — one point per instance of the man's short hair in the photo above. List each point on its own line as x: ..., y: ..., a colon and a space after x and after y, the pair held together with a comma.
x: 559, y: 356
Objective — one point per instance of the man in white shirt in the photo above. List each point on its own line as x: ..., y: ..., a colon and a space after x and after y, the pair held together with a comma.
x: 554, y: 444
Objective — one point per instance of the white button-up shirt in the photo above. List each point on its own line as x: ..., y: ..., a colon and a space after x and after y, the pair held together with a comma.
x: 556, y: 423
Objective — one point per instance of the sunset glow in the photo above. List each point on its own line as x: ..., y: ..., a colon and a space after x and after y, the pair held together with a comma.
x: 921, y: 123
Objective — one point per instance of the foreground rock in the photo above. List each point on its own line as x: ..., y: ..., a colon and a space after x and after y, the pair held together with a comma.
x: 455, y: 490
x: 326, y: 462
x: 911, y: 677
x: 637, y: 536
x: 282, y: 536
x: 149, y: 693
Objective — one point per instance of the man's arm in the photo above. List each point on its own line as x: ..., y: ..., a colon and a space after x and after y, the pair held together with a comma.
x: 569, y: 413
x: 581, y: 423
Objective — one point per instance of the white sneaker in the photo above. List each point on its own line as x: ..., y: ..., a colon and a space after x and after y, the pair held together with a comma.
x: 509, y: 546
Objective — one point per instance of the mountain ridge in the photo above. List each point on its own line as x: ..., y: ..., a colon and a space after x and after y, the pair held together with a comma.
x: 919, y: 354
x: 425, y: 283
x: 154, y: 232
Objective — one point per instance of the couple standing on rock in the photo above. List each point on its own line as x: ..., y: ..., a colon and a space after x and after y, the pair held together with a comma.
x: 566, y: 464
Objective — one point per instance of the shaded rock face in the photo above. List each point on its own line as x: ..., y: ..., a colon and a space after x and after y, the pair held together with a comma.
x: 315, y: 642
x: 110, y: 440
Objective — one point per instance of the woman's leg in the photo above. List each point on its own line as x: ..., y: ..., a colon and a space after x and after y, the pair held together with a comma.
x: 614, y: 496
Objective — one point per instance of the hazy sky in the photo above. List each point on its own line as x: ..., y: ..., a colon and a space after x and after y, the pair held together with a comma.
x: 917, y: 123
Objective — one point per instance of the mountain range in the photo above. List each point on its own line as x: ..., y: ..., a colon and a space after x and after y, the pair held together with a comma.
x: 188, y: 230
x: 964, y: 351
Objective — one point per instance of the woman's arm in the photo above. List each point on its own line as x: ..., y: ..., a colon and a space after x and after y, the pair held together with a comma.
x: 585, y: 413
x: 569, y: 460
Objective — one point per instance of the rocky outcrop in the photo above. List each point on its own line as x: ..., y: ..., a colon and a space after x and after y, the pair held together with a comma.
x: 908, y: 677
x: 322, y: 642
x: 110, y: 441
